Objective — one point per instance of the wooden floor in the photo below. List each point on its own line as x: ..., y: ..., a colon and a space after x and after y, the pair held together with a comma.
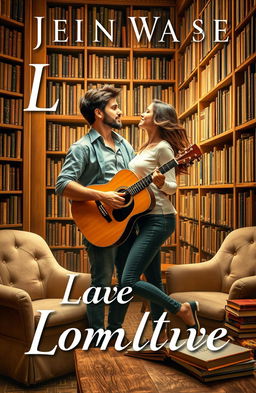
x: 171, y: 382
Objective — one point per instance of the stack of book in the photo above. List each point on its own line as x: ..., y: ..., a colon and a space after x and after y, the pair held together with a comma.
x: 229, y: 362
x: 241, y: 318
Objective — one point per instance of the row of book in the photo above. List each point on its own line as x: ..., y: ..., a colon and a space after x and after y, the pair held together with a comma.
x: 60, y: 137
x: 186, y: 21
x: 219, y: 66
x: 245, y: 41
x: 245, y: 94
x: 212, y: 238
x: 68, y: 94
x: 134, y: 135
x: 217, y: 208
x: 11, y: 111
x: 188, y: 95
x: 164, y: 15
x: 143, y: 96
x: 189, y: 204
x: 190, y: 123
x: 246, y: 157
x: 243, y: 7
x: 191, y: 178
x: 188, y: 254
x: 68, y: 32
x: 153, y: 68
x: 241, y: 318
x: 10, y: 177
x: 103, y: 15
x: 246, y: 211
x: 59, y: 234
x: 76, y: 261
x: 216, y: 117
x: 53, y: 168
x: 216, y: 166
x: 187, y: 62
x: 168, y: 257
x: 11, y: 210
x: 189, y: 231
x: 10, y: 76
x: 10, y: 42
x: 57, y: 206
x: 65, y: 65
x: 13, y: 9
x: 108, y: 67
x: 212, y: 12
x: 10, y: 144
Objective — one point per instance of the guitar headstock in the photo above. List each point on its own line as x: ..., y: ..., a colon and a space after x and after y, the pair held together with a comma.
x: 189, y: 155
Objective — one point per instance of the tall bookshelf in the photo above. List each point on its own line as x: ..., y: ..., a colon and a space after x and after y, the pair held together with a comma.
x: 14, y: 126
x: 75, y: 67
x: 216, y: 102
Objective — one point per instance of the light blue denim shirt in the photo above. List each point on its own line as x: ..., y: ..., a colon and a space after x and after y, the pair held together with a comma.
x: 89, y: 161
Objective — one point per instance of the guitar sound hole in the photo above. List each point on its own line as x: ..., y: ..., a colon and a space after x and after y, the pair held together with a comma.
x: 121, y: 214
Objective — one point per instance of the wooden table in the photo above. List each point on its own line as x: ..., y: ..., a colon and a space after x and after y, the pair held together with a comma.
x: 111, y: 372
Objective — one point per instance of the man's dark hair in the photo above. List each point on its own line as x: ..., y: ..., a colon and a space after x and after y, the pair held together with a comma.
x: 96, y: 98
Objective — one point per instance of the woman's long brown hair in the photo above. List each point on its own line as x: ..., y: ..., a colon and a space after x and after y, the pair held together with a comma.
x: 165, y: 117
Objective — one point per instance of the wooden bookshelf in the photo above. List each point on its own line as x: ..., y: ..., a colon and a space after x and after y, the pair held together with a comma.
x: 14, y: 127
x: 237, y: 136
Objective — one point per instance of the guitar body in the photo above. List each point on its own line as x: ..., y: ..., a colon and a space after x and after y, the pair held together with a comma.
x: 102, y: 230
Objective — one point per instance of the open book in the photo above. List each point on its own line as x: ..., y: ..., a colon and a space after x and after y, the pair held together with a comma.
x: 204, y: 363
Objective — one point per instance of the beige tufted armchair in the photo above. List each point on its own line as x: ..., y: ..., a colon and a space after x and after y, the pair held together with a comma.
x: 31, y: 280
x: 230, y: 274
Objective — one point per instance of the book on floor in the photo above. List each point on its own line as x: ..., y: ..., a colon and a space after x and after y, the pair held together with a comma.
x: 202, y: 358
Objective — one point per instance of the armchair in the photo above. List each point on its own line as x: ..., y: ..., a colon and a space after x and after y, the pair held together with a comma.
x: 230, y: 274
x: 31, y: 280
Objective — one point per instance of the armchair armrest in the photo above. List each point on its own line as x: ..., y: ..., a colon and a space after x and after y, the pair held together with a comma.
x: 58, y: 279
x: 17, y: 317
x: 202, y: 276
x: 244, y: 288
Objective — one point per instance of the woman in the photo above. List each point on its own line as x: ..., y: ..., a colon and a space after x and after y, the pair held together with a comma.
x: 142, y: 251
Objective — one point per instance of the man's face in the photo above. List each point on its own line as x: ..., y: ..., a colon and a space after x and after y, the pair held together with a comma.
x: 112, y: 114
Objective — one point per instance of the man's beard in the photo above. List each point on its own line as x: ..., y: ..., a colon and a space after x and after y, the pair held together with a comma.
x: 111, y: 123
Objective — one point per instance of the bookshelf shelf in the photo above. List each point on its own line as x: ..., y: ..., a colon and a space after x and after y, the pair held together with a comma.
x: 9, y: 226
x: 245, y: 185
x: 186, y: 82
x: 67, y: 247
x: 204, y: 7
x: 10, y: 93
x: 56, y: 153
x: 11, y: 22
x: 11, y: 58
x: 153, y: 51
x: 59, y: 218
x: 11, y: 192
x: 216, y: 186
x: 64, y: 79
x: 186, y: 42
x: 65, y: 48
x: 189, y: 111
x: 213, y: 51
x: 212, y: 93
x: 108, y: 49
x: 154, y: 81
x: 12, y: 126
x: 220, y: 138
x: 108, y: 80
x: 248, y: 124
x: 245, y: 64
x: 240, y: 26
x: 11, y: 159
x: 182, y: 5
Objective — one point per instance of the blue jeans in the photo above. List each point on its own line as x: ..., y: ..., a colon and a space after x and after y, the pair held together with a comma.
x: 142, y: 255
x: 102, y: 262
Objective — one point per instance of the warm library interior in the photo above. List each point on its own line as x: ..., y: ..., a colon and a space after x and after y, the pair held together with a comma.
x: 211, y: 84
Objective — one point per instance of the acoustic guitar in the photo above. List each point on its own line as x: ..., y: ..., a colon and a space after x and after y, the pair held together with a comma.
x: 104, y: 226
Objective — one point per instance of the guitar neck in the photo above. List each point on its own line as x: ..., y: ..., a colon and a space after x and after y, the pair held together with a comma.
x: 147, y: 180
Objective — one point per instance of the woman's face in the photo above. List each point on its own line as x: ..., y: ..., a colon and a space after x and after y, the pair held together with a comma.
x: 146, y: 121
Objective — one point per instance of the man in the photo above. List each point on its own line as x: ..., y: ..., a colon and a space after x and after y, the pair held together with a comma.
x: 95, y: 159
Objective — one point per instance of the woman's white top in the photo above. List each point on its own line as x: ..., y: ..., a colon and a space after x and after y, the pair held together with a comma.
x: 145, y: 163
